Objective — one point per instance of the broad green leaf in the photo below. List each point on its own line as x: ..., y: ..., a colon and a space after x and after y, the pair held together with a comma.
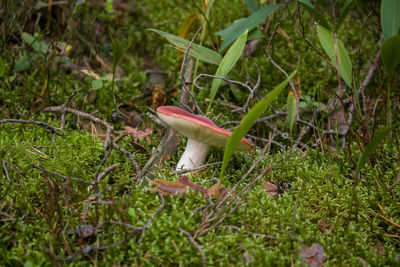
x: 248, y: 121
x: 231, y: 33
x: 390, y: 17
x: 307, y: 3
x: 348, y: 5
x: 328, y: 43
x: 252, y: 5
x: 390, y: 51
x: 227, y: 63
x: 371, y: 147
x: 291, y: 110
x: 319, y: 17
x: 97, y: 84
x: 196, y: 51
x: 23, y: 63
x: 37, y: 45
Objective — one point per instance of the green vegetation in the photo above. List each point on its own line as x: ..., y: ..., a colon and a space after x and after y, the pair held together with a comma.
x: 333, y: 185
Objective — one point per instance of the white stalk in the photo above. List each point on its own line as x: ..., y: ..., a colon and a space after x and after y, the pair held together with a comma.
x: 194, y: 155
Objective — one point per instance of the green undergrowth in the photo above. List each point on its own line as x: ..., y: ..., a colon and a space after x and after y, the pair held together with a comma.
x: 320, y: 203
x: 316, y: 209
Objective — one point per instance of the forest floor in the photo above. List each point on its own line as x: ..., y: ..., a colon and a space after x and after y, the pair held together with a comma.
x: 88, y: 169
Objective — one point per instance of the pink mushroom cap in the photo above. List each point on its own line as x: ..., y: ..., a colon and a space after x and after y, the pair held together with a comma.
x: 198, y: 128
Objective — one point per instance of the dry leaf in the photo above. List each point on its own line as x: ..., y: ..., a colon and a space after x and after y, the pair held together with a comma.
x: 168, y: 188
x: 250, y: 47
x: 185, y: 180
x: 158, y: 98
x: 218, y: 191
x: 180, y: 187
x: 313, y: 256
x: 272, y: 190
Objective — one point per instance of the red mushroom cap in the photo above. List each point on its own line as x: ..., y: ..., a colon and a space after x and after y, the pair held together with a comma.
x: 198, y: 128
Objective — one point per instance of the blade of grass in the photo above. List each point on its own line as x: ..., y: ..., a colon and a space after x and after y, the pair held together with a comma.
x: 248, y: 121
x: 197, y: 51
x: 227, y: 63
x: 291, y: 110
x: 232, y: 33
x: 372, y: 145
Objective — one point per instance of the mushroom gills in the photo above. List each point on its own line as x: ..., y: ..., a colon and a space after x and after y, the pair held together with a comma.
x: 194, y: 155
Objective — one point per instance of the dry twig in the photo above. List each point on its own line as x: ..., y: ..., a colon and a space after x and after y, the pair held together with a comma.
x: 191, y: 239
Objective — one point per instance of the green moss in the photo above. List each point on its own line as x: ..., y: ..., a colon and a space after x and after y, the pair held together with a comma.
x: 321, y: 206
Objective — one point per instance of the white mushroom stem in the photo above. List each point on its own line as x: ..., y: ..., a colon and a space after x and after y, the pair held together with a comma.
x: 194, y: 155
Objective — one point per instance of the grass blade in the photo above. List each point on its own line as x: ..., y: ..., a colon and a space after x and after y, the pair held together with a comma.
x: 227, y: 63
x: 371, y: 147
x: 328, y: 43
x: 291, y: 110
x: 248, y: 121
x: 197, y: 51
x: 231, y: 33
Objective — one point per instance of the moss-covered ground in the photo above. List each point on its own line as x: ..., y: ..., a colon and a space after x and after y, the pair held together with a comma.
x: 357, y: 222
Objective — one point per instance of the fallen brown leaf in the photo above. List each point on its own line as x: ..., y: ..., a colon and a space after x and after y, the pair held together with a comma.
x: 168, y: 188
x: 180, y: 187
x: 313, y: 256
x: 272, y: 190
x: 218, y: 191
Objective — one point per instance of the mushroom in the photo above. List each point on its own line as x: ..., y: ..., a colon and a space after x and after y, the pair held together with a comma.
x: 201, y: 133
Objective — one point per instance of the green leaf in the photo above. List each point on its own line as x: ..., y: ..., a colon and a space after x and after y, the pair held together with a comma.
x: 291, y: 110
x: 109, y: 6
x: 97, y: 84
x: 231, y: 33
x: 37, y: 45
x: 252, y: 5
x: 2, y: 67
x: 328, y: 43
x: 248, y: 121
x: 307, y: 3
x: 319, y: 17
x: 197, y: 51
x: 390, y: 51
x: 23, y: 63
x: 371, y: 147
x: 390, y: 17
x: 227, y: 63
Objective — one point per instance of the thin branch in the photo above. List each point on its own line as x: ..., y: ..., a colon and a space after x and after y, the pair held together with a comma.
x: 183, y: 82
x: 179, y: 172
x: 40, y: 123
x: 62, y: 124
x: 58, y: 174
x: 282, y: 70
x: 191, y: 239
x: 150, y: 219
x: 5, y: 171
x: 109, y: 131
x: 102, y: 175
